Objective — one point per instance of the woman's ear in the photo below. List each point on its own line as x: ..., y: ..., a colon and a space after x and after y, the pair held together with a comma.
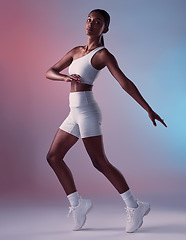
x: 105, y: 30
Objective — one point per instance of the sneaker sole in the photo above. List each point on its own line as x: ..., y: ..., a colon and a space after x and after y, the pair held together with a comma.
x: 145, y: 214
x: 148, y: 210
x: 88, y: 210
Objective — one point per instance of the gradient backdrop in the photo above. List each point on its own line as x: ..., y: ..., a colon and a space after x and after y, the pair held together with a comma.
x: 148, y: 38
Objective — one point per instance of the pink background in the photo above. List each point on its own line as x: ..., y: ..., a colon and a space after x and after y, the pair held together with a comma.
x: 148, y: 40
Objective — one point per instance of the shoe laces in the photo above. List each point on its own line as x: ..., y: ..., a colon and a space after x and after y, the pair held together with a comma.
x: 71, y: 210
x: 130, y: 213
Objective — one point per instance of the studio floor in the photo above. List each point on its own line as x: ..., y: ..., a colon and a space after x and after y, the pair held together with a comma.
x: 106, y: 221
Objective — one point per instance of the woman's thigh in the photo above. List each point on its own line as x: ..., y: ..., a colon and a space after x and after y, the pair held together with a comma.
x: 61, y: 143
x: 94, y: 146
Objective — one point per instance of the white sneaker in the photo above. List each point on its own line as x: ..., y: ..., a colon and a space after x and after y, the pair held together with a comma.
x: 135, y: 216
x: 79, y: 213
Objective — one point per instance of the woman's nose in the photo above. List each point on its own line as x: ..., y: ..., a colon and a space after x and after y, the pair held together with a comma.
x: 90, y: 24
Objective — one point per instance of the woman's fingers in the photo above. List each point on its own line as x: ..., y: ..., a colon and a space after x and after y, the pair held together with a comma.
x: 153, y: 116
x: 161, y: 120
x: 76, y: 78
x: 154, y: 123
x: 73, y: 78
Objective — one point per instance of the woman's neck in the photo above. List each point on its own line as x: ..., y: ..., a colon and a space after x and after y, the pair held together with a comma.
x: 92, y: 44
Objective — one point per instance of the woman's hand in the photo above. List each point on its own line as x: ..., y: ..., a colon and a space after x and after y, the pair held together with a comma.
x: 154, y: 116
x: 73, y: 78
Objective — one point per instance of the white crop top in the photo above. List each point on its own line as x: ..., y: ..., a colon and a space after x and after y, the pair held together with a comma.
x: 83, y: 67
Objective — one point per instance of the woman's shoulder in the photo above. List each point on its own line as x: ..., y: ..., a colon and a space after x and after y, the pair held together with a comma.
x: 105, y: 54
x: 75, y: 51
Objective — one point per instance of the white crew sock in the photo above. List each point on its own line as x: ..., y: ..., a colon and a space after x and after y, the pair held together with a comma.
x: 74, y: 199
x: 129, y: 199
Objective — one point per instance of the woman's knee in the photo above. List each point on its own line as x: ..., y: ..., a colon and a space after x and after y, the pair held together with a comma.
x: 52, y: 158
x: 100, y: 164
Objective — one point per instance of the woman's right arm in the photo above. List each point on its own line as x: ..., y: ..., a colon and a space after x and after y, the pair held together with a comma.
x: 53, y: 73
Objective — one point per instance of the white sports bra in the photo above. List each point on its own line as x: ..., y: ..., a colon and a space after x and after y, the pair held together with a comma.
x: 83, y: 67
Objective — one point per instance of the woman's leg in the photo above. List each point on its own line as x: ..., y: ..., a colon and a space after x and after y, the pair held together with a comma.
x: 95, y: 149
x: 62, y: 142
x: 135, y: 210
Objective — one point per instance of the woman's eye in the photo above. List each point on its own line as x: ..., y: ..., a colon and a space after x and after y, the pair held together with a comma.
x: 88, y: 20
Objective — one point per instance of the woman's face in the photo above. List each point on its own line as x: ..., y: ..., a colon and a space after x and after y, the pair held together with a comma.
x: 95, y: 25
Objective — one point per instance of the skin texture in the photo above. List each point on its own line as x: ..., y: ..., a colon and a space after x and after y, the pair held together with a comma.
x: 94, y: 28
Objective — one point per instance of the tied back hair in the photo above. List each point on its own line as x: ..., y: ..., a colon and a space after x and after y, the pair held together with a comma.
x: 106, y: 17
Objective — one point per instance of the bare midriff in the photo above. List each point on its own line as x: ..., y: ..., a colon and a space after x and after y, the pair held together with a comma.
x: 79, y: 87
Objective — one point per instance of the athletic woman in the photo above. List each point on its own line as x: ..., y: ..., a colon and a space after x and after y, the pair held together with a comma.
x: 84, y: 120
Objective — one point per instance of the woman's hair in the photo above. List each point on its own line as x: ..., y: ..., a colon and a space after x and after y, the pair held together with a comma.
x: 106, y: 17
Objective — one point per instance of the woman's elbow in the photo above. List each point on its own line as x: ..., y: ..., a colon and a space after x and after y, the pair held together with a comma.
x: 48, y: 74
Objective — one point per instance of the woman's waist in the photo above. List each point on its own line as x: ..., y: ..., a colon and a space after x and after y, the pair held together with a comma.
x: 81, y: 98
x: 79, y: 87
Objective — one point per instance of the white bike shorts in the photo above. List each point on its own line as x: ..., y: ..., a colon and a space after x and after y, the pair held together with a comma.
x: 84, y: 119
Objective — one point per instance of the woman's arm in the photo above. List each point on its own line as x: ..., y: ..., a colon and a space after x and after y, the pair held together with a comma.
x: 129, y: 86
x: 53, y: 73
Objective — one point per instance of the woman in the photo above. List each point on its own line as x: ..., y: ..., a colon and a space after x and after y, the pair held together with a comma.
x: 84, y: 120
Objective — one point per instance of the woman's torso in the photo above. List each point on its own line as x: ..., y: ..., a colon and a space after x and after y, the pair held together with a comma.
x: 87, y: 66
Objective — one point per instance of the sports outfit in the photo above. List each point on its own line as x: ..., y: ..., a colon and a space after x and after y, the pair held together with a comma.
x: 84, y: 119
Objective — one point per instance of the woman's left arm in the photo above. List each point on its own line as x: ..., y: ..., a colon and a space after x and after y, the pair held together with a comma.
x: 129, y: 86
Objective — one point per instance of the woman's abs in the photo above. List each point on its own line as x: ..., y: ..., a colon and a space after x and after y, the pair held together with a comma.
x: 78, y: 87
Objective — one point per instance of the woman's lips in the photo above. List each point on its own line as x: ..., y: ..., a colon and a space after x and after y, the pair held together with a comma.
x: 89, y: 29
